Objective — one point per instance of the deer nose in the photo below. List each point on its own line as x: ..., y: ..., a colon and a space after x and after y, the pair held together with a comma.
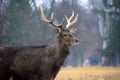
x: 76, y: 40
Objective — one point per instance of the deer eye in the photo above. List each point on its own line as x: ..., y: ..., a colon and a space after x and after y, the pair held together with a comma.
x: 64, y: 34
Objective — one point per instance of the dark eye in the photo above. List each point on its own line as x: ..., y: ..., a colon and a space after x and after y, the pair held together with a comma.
x: 64, y: 34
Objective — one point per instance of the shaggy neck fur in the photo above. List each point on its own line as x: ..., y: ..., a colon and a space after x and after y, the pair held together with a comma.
x: 62, y: 50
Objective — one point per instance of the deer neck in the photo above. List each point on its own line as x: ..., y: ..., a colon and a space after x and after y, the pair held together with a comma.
x: 62, y: 51
x: 62, y: 48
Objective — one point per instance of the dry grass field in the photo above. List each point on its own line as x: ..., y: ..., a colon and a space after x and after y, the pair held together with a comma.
x: 89, y: 73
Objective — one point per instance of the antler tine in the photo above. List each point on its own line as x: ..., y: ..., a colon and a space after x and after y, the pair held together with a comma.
x: 69, y: 19
x: 71, y: 16
x: 74, y: 21
x: 43, y: 15
x: 52, y: 15
x: 51, y: 18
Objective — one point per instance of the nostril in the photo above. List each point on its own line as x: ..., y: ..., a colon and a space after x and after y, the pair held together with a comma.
x: 76, y: 41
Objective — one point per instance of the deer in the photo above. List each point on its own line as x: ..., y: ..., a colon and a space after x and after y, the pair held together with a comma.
x: 44, y: 62
x: 7, y: 54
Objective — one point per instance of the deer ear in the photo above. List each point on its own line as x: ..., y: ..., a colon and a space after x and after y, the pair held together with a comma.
x: 58, y: 30
x: 73, y: 30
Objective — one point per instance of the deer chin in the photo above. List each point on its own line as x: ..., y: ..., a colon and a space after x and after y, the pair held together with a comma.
x: 76, y: 43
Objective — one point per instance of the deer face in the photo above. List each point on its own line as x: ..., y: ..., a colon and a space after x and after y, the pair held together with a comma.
x: 66, y: 37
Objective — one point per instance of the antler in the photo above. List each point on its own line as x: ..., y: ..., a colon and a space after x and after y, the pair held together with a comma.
x: 69, y: 20
x: 51, y: 19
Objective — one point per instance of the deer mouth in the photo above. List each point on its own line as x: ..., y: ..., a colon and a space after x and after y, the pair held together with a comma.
x: 76, y: 42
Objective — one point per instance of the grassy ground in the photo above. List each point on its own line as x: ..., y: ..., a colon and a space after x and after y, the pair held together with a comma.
x: 89, y: 73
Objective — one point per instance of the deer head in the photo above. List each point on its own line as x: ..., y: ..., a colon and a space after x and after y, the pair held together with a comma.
x: 64, y: 35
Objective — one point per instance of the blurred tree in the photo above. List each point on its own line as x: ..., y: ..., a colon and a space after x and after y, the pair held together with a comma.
x: 3, y: 22
x: 109, y: 19
x: 19, y: 12
x: 13, y: 21
x: 112, y: 51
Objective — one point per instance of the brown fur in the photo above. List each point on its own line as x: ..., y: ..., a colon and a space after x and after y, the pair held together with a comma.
x: 7, y: 54
x: 43, y: 62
